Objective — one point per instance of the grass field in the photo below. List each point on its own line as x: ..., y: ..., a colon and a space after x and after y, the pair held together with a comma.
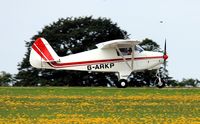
x: 99, y: 105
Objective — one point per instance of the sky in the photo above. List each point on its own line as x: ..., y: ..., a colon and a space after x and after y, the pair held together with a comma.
x: 21, y: 19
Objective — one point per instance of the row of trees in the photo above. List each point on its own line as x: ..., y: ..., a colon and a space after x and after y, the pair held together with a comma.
x: 7, y: 79
x: 70, y: 36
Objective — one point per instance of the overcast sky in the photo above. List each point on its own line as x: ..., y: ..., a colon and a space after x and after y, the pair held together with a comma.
x: 21, y: 19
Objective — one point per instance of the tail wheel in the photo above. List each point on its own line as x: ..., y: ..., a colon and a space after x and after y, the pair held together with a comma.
x: 160, y: 83
x: 122, y: 83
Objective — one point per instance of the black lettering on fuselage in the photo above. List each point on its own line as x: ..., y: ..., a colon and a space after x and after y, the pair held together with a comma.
x: 100, y: 66
x: 89, y: 67
x: 112, y: 65
x: 106, y: 66
x: 97, y: 67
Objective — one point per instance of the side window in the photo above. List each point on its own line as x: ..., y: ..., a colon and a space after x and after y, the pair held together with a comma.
x: 125, y: 51
x: 128, y: 51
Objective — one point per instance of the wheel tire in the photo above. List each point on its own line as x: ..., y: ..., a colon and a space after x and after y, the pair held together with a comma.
x: 160, y: 84
x: 122, y: 83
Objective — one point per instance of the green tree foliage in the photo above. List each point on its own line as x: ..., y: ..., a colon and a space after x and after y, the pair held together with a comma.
x: 149, y: 45
x: 5, y: 78
x: 67, y: 36
x: 188, y: 82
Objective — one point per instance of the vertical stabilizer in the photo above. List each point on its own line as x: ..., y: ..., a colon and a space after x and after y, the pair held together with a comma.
x: 42, y: 52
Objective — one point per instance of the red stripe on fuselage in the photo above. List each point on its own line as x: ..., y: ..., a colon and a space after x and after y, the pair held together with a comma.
x: 92, y: 62
x: 43, y: 49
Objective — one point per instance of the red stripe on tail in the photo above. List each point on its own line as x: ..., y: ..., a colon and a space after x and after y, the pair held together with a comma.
x: 42, y: 50
x: 38, y: 52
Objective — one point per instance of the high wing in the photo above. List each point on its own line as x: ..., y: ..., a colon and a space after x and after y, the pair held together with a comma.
x: 121, y: 43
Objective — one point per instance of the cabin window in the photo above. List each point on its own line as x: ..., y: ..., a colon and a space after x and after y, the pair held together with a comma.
x: 128, y: 51
x: 125, y: 51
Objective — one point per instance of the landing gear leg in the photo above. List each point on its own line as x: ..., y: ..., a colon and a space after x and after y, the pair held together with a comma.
x: 159, y: 82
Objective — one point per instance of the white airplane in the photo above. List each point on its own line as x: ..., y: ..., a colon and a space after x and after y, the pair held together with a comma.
x: 120, y: 56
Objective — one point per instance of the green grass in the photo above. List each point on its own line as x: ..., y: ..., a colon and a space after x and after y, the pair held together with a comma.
x: 98, y: 105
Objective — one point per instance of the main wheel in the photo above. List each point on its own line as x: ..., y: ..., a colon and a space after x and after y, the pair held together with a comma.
x: 160, y: 83
x: 122, y: 83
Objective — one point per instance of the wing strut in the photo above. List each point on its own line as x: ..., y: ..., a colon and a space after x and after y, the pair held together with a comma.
x: 132, y: 55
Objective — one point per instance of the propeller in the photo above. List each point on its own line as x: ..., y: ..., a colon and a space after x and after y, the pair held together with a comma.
x: 165, y: 56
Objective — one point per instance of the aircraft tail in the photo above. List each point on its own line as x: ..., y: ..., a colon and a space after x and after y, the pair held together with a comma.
x: 42, y: 53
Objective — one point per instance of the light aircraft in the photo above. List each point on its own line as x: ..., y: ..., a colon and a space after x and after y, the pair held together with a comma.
x: 122, y: 56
